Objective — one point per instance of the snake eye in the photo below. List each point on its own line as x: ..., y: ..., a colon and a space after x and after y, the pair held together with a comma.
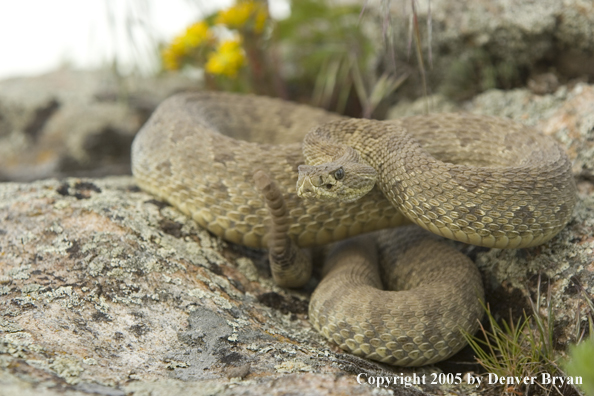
x: 339, y: 174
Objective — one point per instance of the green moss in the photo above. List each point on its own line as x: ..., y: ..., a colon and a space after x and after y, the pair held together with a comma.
x: 581, y: 364
x: 476, y: 71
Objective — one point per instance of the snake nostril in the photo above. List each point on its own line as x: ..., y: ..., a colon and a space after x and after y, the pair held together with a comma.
x: 328, y: 186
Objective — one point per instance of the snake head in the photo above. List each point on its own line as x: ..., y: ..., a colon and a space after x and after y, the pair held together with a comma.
x: 332, y: 181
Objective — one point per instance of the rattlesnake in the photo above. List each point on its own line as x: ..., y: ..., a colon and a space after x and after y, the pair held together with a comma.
x: 232, y: 163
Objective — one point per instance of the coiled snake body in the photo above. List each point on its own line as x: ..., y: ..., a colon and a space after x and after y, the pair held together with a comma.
x: 237, y: 165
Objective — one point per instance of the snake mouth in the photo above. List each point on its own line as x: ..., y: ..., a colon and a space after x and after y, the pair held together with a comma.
x: 305, y: 188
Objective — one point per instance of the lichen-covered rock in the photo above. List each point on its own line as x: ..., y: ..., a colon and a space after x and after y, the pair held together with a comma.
x: 74, y: 123
x: 488, y: 44
x: 105, y: 290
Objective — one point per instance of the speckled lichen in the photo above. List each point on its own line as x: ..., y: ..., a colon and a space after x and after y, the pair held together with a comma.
x: 68, y: 368
x: 98, y: 277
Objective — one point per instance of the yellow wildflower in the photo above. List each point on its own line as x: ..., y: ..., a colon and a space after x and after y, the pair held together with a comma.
x: 170, y: 59
x: 260, y: 19
x: 196, y: 34
x: 227, y: 59
x: 244, y: 13
x: 182, y: 45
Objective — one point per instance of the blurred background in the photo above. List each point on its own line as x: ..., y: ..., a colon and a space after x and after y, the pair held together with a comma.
x: 39, y: 36
x: 79, y: 78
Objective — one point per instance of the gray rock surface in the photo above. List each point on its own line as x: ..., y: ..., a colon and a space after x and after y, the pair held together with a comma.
x: 105, y: 290
x: 487, y: 44
x: 69, y: 123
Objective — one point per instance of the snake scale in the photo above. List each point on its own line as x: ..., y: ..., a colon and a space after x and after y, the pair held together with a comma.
x: 243, y: 168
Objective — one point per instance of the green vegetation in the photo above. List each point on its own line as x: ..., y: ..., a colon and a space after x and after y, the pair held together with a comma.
x: 518, y: 349
x: 581, y: 355
x: 318, y: 55
x: 525, y: 348
x: 581, y: 363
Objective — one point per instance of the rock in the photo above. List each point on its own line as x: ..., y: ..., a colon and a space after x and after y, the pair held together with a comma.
x: 434, y: 104
x: 105, y: 290
x: 494, y: 44
x: 74, y: 123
